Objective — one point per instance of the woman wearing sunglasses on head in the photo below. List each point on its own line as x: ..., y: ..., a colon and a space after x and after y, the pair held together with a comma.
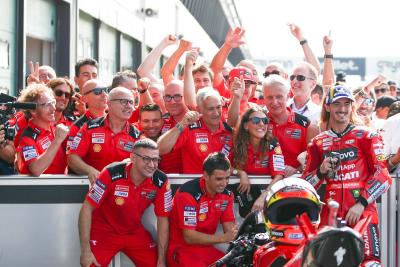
x: 256, y: 152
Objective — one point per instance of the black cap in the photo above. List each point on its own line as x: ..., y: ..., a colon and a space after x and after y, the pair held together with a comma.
x: 385, y: 101
x: 390, y: 83
x: 341, y: 76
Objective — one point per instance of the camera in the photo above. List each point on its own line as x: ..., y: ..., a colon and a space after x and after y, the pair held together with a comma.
x: 8, y: 112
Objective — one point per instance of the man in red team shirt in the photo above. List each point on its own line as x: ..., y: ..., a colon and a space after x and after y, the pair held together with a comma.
x: 110, y: 217
x: 175, y: 104
x: 198, y: 207
x: 40, y: 147
x: 292, y: 130
x: 106, y: 139
x: 197, y: 135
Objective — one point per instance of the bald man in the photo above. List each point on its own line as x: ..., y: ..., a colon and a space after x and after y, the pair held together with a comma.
x: 107, y: 139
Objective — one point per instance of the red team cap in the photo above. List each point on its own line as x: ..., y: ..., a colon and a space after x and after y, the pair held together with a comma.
x: 237, y: 72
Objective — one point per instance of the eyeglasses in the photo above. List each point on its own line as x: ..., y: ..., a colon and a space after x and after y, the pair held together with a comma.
x: 147, y: 159
x: 123, y: 101
x: 266, y: 74
x: 369, y: 101
x: 299, y: 77
x: 60, y: 93
x: 98, y: 91
x: 48, y: 104
x: 257, y: 120
x: 176, y: 98
x: 380, y: 90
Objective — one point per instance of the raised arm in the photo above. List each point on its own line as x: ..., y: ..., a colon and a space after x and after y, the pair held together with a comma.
x: 308, y: 53
x: 189, y: 92
x: 167, y: 71
x: 144, y: 94
x: 237, y: 90
x: 146, y: 68
x: 328, y: 72
x: 233, y: 39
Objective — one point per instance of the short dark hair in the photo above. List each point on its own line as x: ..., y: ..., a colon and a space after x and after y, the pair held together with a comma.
x: 145, y: 143
x: 83, y: 62
x: 149, y: 107
x: 216, y: 161
x: 121, y: 77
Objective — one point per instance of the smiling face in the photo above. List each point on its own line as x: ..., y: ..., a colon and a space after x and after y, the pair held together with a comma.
x: 120, y: 104
x: 217, y: 181
x: 151, y: 123
x: 302, y: 88
x: 340, y: 111
x: 256, y: 125
x: 211, y: 109
x: 275, y: 97
x: 61, y: 93
x: 46, y: 107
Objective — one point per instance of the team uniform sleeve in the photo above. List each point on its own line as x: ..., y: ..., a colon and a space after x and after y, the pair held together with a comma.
x: 27, y: 150
x: 228, y: 214
x: 187, y: 211
x: 182, y: 139
x: 163, y: 201
x: 81, y: 142
x: 99, y: 190
x: 223, y: 89
x: 379, y: 180
x: 313, y: 161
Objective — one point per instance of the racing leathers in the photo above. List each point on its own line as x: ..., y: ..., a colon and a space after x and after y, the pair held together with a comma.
x: 361, y: 176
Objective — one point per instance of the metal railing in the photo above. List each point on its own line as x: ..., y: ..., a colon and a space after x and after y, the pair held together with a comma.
x: 16, y: 187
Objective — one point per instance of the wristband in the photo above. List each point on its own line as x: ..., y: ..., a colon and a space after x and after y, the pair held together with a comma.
x: 328, y: 56
x: 363, y: 201
x: 303, y: 41
x: 142, y: 91
x: 179, y: 127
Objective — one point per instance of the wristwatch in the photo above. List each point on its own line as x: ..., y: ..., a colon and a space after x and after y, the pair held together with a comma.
x: 235, y: 172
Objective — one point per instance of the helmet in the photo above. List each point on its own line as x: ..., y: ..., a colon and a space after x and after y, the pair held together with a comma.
x: 286, y: 199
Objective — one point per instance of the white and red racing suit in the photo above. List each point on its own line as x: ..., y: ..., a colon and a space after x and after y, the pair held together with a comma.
x: 361, y: 176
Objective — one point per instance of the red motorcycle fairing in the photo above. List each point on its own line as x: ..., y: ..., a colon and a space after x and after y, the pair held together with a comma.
x: 274, y: 254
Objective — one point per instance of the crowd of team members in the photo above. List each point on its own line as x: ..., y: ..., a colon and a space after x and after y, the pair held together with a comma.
x: 263, y: 128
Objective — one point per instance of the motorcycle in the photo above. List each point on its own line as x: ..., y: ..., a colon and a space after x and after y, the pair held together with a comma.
x: 285, y: 234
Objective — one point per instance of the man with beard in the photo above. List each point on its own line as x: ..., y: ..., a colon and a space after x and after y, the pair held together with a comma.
x: 110, y: 217
x: 106, y: 139
x: 351, y: 160
x: 40, y: 148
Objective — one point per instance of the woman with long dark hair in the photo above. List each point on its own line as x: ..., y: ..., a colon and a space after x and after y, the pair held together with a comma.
x: 257, y: 151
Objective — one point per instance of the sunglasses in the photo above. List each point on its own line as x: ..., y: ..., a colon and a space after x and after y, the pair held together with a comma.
x: 369, y: 101
x: 381, y: 90
x: 123, y: 101
x: 299, y: 77
x: 266, y: 74
x: 60, y: 93
x: 98, y: 91
x: 176, y: 98
x: 257, y: 120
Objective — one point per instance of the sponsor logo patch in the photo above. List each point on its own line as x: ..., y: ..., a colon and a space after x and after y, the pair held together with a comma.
x: 29, y: 152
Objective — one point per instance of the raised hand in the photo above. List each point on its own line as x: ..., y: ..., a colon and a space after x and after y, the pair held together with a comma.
x: 234, y: 37
x: 34, y: 75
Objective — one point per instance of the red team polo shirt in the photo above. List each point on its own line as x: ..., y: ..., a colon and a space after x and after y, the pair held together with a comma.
x: 34, y: 142
x: 99, y: 146
x: 119, y: 203
x: 292, y: 136
x: 196, y: 142
x: 194, y: 209
x: 172, y: 161
x: 272, y: 164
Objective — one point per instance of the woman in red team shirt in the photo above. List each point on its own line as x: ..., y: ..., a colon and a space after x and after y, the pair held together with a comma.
x: 257, y: 151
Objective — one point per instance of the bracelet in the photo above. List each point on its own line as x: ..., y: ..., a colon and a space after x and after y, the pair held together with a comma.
x: 328, y: 56
x: 363, y: 201
x: 179, y: 127
x: 303, y: 41
x: 142, y: 91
